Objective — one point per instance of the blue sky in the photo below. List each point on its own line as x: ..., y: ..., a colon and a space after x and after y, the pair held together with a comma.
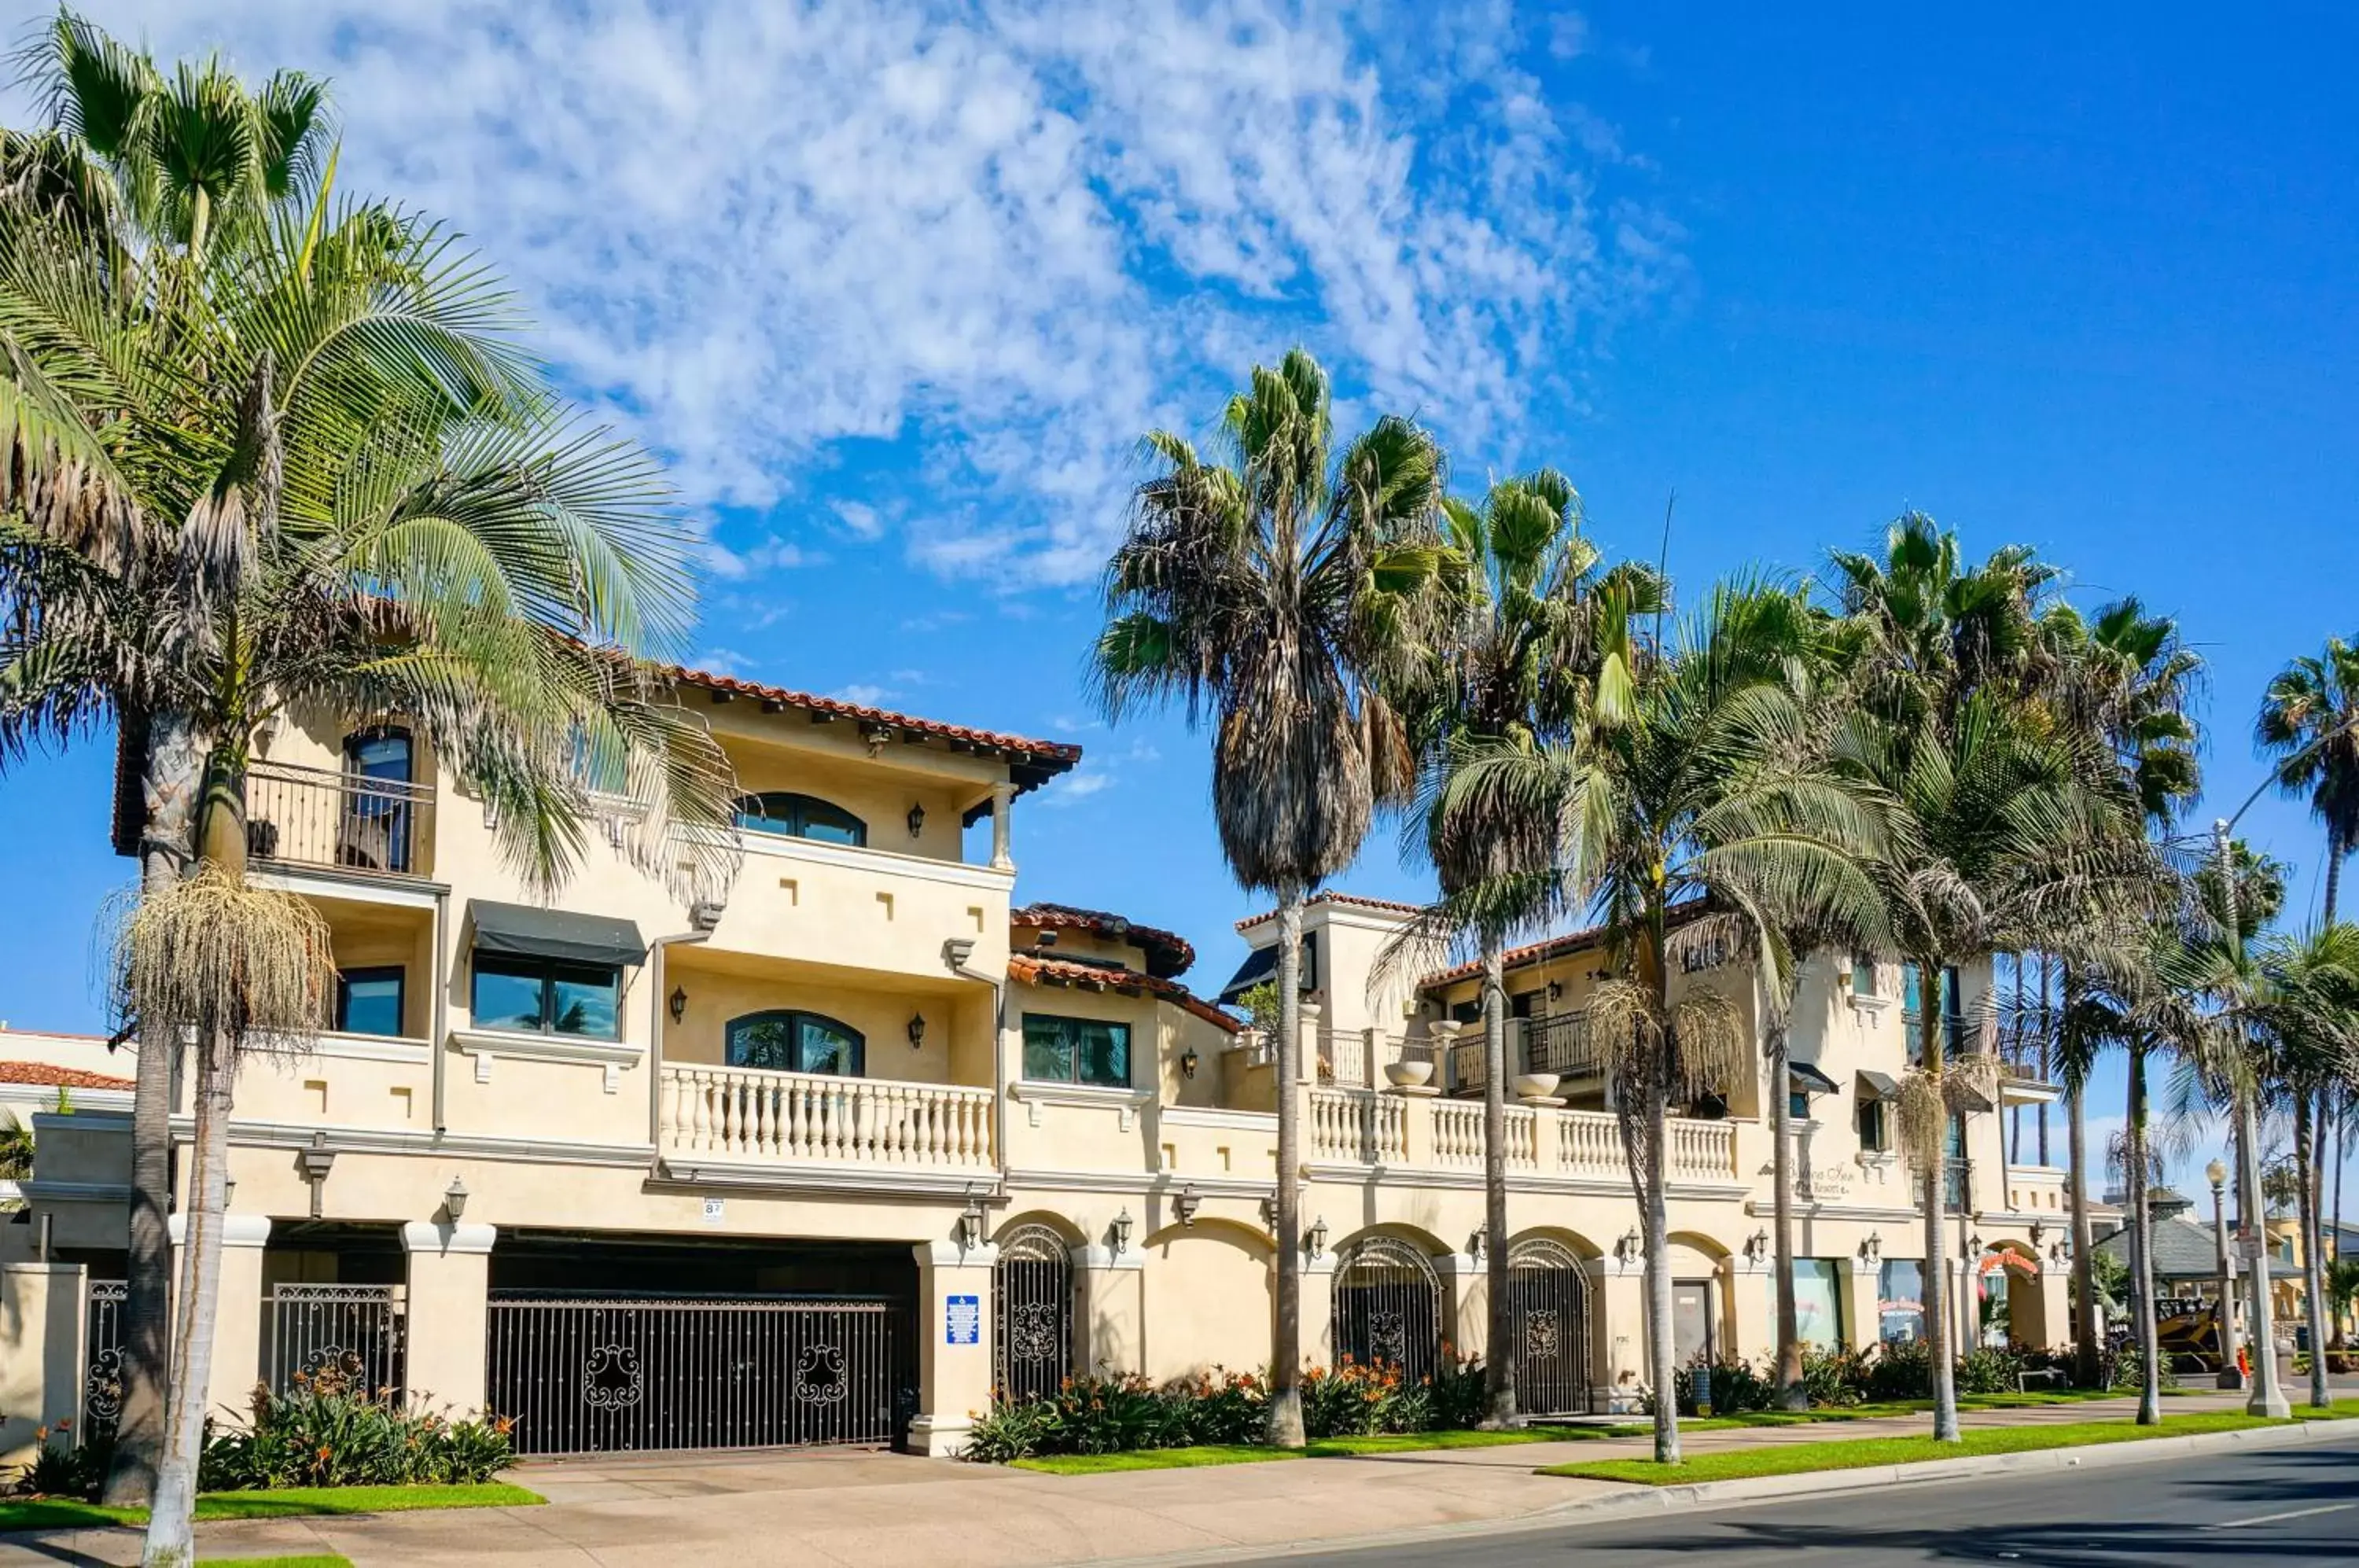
x: 897, y: 288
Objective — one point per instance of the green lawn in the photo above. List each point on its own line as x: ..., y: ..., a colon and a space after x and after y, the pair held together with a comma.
x: 1788, y: 1459
x: 1323, y: 1448
x: 59, y: 1514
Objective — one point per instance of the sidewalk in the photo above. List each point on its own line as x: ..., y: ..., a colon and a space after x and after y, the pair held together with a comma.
x: 878, y: 1510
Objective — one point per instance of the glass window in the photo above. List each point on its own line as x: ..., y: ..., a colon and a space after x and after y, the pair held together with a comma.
x: 1818, y: 1300
x: 545, y: 996
x: 1076, y: 1050
x: 1863, y: 974
x: 789, y: 1041
x: 1900, y: 1300
x: 1797, y: 1106
x: 1873, y: 1130
x: 369, y: 1001
x: 789, y: 815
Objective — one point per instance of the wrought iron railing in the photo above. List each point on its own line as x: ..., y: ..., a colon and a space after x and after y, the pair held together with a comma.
x: 351, y: 1333
x: 1561, y: 1043
x: 102, y: 1380
x: 317, y: 816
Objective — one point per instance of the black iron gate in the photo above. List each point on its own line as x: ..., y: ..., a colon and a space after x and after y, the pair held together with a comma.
x: 608, y: 1373
x: 1032, y: 1351
x: 350, y: 1334
x: 1549, y: 1291
x: 101, y: 1375
x: 1388, y: 1307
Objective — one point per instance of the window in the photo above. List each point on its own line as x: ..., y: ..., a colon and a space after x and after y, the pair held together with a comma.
x: 1863, y: 974
x: 1523, y: 1004
x: 546, y: 996
x: 1900, y: 1300
x: 369, y: 1001
x: 1467, y: 1012
x: 1076, y: 1050
x: 1953, y: 1023
x: 1797, y: 1106
x: 789, y: 815
x: 1818, y: 1300
x: 783, y: 1042
x: 1874, y: 1130
x: 375, y: 832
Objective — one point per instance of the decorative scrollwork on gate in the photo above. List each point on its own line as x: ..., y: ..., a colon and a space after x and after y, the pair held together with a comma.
x: 818, y: 1375
x: 1549, y: 1287
x: 101, y: 1388
x: 1539, y: 1334
x: 1032, y: 1283
x: 611, y: 1379
x: 1387, y: 1306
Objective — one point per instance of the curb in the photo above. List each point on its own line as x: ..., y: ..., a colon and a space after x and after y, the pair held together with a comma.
x: 1634, y: 1499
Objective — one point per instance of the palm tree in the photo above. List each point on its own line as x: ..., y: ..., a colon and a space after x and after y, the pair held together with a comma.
x: 132, y: 162
x: 2310, y: 1006
x: 2127, y: 676
x: 1995, y: 840
x: 1284, y: 594
x: 1689, y: 820
x: 1522, y: 666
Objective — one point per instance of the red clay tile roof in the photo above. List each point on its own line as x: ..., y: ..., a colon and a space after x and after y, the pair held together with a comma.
x: 1393, y: 905
x: 1040, y: 971
x: 1054, y: 757
x: 1554, y: 947
x: 52, y: 1077
x: 1169, y: 954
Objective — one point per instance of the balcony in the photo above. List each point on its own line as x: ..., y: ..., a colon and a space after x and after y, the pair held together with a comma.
x: 1561, y: 1043
x: 337, y: 820
x: 814, y: 1128
x: 1360, y: 1126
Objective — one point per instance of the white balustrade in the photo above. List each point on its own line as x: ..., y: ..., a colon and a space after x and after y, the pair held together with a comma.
x: 1368, y: 1128
x: 1358, y: 1126
x: 1588, y: 1143
x: 822, y: 1118
x: 1701, y: 1151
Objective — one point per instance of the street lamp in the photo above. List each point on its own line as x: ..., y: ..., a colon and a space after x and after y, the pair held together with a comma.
x: 2231, y: 1375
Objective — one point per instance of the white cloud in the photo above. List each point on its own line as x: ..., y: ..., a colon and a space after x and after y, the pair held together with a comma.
x: 866, y: 695
x: 722, y: 661
x: 772, y: 554
x: 1077, y: 786
x: 1022, y: 231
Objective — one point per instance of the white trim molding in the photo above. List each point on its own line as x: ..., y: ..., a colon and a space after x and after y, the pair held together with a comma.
x: 1125, y: 1103
x: 369, y: 887
x: 488, y: 1045
x: 891, y: 862
x: 237, y: 1230
x: 1214, y: 1116
x: 923, y: 1183
x: 445, y: 1239
x: 951, y: 1255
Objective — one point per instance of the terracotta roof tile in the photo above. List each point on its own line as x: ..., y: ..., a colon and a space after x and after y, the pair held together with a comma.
x: 50, y: 1076
x: 1040, y: 971
x: 1391, y: 904
x: 1169, y: 954
x: 1553, y: 947
x: 1055, y: 756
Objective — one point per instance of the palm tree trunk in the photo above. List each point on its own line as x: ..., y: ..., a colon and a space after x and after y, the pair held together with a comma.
x: 2306, y: 1115
x: 171, y: 1526
x: 1285, y: 1319
x: 2149, y: 1410
x: 2087, y: 1367
x: 2334, y: 852
x: 1498, y: 1361
x: 2341, y: 1158
x: 171, y: 770
x: 1791, y: 1394
x: 1937, y: 1262
x: 1662, y: 1352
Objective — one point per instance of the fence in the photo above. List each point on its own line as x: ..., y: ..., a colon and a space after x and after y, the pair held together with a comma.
x: 102, y: 1380
x: 351, y: 1332
x: 316, y: 816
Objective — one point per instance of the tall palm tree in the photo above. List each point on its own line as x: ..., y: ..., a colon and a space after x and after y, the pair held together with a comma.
x: 131, y: 162
x: 1285, y: 594
x: 1995, y: 840
x: 1522, y: 665
x: 2127, y: 677
x: 1687, y: 826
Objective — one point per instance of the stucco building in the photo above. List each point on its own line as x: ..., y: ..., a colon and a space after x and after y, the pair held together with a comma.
x: 833, y: 1152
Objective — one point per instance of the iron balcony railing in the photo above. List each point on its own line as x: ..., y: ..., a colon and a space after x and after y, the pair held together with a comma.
x: 1561, y: 1043
x: 317, y: 816
x: 1955, y: 1036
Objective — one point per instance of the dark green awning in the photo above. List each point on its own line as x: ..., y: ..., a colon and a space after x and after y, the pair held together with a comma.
x: 1877, y: 1086
x: 554, y: 933
x: 1810, y: 1080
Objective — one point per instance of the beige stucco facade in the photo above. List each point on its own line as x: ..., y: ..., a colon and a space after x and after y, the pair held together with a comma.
x: 639, y: 1162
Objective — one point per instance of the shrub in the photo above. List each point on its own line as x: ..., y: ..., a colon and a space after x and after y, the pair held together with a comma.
x: 1221, y: 1406
x: 326, y: 1434
x: 1362, y: 1401
x: 1735, y: 1386
x: 1989, y: 1369
x: 1459, y: 1401
x: 1836, y: 1377
x: 67, y: 1469
x: 1898, y: 1369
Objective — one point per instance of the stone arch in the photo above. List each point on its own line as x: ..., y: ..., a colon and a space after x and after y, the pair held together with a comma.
x: 2027, y: 1284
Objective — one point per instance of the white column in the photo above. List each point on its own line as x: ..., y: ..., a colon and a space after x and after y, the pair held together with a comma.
x: 241, y: 1330
x: 1110, y: 1313
x: 1002, y: 795
x: 1465, y: 1303
x: 1863, y: 1284
x: 1620, y: 1295
x: 449, y: 1313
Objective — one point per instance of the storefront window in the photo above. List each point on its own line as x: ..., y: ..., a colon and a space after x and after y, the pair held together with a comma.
x: 1818, y: 1300
x: 1900, y: 1300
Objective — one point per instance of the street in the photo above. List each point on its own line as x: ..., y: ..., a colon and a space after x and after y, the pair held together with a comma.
x: 2286, y: 1507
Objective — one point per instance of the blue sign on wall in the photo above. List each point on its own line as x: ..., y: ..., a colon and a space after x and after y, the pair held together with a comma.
x: 962, y: 1319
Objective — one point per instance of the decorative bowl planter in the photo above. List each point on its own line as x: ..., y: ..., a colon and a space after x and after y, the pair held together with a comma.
x: 1407, y: 1074
x: 1536, y: 1086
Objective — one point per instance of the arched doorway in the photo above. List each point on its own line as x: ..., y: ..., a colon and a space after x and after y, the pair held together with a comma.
x: 1388, y: 1303
x: 1549, y: 1291
x: 1032, y: 1349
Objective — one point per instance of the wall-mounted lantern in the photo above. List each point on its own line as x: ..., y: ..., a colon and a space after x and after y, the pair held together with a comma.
x: 1184, y: 1205
x: 917, y: 1031
x: 1476, y: 1243
x: 1317, y: 1241
x: 970, y: 1222
x: 679, y: 1003
x: 1120, y: 1232
x: 1873, y: 1248
x: 917, y: 820
x: 454, y: 1200
x: 1189, y: 1063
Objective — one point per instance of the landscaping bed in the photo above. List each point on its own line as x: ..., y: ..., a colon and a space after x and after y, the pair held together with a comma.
x: 284, y: 1502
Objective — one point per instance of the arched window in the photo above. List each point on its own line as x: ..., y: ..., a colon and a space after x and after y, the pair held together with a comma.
x: 788, y: 1041
x: 799, y: 816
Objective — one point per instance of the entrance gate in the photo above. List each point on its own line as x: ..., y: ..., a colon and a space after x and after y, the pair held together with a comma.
x: 1033, y: 1284
x: 352, y: 1333
x: 102, y: 1377
x: 1388, y: 1307
x: 1549, y: 1291
x: 607, y: 1374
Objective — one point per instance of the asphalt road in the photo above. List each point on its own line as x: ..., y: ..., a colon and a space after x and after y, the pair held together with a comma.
x: 2273, y: 1510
